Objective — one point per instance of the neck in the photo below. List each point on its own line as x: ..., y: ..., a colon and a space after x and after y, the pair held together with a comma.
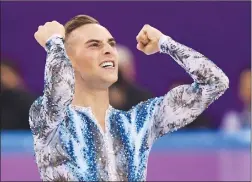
x: 97, y: 99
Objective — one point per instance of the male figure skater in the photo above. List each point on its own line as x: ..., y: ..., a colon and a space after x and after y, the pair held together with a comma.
x: 78, y: 136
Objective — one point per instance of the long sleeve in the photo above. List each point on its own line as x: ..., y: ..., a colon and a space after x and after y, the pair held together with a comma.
x: 49, y: 110
x: 181, y: 105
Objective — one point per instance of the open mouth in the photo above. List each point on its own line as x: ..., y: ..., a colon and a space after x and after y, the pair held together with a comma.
x: 108, y: 64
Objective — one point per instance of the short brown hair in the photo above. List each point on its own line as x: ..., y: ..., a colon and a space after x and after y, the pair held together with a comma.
x: 77, y: 22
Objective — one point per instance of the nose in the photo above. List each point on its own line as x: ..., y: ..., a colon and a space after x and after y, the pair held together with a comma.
x: 107, y: 49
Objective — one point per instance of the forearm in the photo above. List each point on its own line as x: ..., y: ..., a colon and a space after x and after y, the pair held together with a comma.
x: 201, y: 69
x: 59, y: 80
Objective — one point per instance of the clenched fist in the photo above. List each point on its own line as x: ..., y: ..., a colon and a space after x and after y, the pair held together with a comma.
x: 147, y: 39
x: 47, y: 30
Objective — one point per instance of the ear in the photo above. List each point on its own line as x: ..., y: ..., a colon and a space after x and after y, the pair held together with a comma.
x: 73, y: 64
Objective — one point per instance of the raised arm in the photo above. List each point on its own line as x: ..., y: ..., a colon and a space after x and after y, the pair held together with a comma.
x: 49, y: 110
x: 183, y: 104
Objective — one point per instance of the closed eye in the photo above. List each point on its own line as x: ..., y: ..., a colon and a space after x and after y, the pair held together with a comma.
x: 94, y: 45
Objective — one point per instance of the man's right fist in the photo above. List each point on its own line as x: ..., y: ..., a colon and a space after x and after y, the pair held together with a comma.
x: 47, y: 30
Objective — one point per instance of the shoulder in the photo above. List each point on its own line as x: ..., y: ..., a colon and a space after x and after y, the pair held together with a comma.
x: 147, y: 105
x: 144, y: 106
x: 144, y: 110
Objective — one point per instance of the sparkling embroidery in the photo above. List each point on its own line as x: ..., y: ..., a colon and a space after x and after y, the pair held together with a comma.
x: 68, y: 143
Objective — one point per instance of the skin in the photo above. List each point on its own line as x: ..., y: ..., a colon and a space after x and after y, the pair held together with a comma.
x: 87, y: 47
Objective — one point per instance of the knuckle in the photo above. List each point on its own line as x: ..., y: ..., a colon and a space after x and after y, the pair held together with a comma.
x: 35, y: 34
x: 146, y: 25
x: 55, y: 22
x: 139, y: 36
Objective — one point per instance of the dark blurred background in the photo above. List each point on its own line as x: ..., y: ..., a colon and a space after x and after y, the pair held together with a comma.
x: 218, y: 139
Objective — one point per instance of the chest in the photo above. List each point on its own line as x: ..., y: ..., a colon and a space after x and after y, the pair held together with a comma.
x: 83, y: 134
x: 89, y: 148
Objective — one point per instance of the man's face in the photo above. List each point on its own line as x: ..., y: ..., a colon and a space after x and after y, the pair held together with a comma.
x: 92, y: 50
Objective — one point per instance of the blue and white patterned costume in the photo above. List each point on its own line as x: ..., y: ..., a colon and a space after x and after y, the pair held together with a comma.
x: 70, y: 144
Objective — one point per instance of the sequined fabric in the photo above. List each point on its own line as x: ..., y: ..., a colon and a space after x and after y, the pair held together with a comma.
x: 70, y: 145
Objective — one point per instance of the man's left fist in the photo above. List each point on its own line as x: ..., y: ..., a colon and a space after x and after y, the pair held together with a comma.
x: 147, y: 40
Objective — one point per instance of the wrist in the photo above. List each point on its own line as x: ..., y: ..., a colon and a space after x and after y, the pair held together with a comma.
x: 54, y: 39
x: 54, y: 36
x: 163, y: 39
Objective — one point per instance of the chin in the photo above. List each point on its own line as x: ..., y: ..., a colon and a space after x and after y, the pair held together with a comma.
x: 113, y: 80
x: 109, y: 80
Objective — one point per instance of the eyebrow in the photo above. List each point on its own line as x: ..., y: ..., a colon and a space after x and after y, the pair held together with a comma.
x: 97, y: 41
